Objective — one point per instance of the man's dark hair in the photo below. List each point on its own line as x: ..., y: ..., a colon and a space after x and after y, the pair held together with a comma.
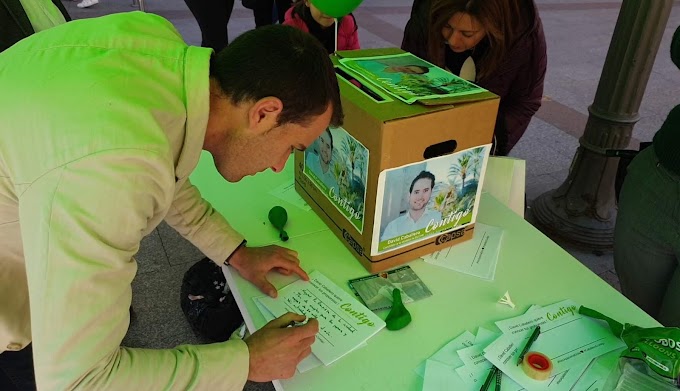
x: 283, y: 62
x: 422, y: 175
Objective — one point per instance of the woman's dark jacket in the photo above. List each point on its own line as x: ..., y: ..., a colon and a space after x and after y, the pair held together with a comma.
x: 518, y: 80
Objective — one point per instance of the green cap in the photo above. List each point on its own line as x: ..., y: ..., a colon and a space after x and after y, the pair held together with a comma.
x: 336, y: 8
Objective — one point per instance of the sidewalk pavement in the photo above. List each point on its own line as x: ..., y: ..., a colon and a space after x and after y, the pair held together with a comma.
x: 578, y: 34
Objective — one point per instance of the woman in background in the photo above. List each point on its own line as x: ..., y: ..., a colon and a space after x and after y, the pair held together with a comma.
x: 306, y: 17
x: 212, y: 17
x: 263, y: 11
x: 497, y: 44
x: 647, y: 231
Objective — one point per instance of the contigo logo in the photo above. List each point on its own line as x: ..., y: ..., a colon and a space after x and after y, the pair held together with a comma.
x: 356, y: 246
x: 449, y: 236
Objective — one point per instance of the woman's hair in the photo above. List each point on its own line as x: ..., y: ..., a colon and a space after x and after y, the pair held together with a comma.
x: 299, y: 7
x: 502, y: 20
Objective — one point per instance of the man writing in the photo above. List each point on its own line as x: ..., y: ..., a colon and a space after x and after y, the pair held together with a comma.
x: 418, y: 216
x: 79, y: 189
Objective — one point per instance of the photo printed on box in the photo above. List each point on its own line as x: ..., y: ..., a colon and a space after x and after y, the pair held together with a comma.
x: 424, y: 199
x: 337, y: 164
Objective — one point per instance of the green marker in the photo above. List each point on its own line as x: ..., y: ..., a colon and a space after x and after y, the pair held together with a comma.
x: 399, y: 316
x: 278, y: 217
x: 532, y: 338
x: 493, y: 373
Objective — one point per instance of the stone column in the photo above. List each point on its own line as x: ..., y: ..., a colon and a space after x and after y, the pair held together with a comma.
x: 582, y: 210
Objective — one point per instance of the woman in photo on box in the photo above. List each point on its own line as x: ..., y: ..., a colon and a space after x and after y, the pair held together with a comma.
x: 306, y: 17
x: 418, y: 216
x: 497, y: 44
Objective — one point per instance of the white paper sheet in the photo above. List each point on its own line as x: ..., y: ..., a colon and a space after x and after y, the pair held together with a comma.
x: 484, y: 337
x: 442, y: 377
x: 448, y: 354
x: 287, y: 193
x: 477, y: 257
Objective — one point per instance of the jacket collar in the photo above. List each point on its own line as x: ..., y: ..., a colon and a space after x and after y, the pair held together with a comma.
x: 197, y: 87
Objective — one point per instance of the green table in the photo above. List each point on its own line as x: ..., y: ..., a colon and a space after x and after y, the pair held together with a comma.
x: 531, y: 267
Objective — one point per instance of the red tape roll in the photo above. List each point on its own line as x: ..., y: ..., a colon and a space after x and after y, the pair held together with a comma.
x: 537, y: 366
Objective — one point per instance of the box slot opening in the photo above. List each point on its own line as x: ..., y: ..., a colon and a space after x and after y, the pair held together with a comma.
x: 440, y: 149
x: 363, y: 88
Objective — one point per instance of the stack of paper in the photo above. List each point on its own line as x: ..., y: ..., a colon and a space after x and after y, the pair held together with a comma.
x: 569, y: 339
x: 461, y: 365
x: 344, y: 323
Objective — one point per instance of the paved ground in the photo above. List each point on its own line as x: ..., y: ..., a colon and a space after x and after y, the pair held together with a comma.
x: 578, y: 35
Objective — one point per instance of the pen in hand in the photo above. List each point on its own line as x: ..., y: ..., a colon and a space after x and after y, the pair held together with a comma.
x: 532, y: 338
x: 297, y: 324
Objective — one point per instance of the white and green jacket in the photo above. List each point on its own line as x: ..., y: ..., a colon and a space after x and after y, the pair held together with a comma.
x: 101, y: 122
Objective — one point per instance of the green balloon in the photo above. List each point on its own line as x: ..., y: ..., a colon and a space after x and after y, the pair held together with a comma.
x: 336, y: 8
x: 278, y: 217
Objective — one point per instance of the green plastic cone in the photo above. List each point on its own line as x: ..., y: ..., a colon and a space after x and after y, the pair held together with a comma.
x: 399, y: 316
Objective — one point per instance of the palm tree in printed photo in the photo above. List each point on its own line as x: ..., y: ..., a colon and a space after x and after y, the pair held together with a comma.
x: 476, y: 160
x: 461, y: 169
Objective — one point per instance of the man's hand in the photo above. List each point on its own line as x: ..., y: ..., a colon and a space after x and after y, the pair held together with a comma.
x: 276, y: 349
x: 255, y: 262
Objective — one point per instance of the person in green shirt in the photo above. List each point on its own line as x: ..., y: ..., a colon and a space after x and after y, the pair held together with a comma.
x: 21, y: 18
x: 80, y: 189
x: 647, y: 231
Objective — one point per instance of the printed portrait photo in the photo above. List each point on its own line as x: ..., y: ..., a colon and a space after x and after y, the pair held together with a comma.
x: 424, y: 199
x: 338, y: 165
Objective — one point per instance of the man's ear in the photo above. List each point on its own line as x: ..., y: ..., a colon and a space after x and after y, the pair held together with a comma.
x: 264, y: 114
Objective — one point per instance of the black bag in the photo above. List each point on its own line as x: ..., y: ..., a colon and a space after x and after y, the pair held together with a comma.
x: 625, y: 157
x: 212, y: 314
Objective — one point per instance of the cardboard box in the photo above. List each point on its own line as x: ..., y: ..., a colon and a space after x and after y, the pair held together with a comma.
x: 370, y: 184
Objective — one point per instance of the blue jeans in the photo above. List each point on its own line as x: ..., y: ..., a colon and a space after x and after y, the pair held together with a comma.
x: 16, y: 370
x: 647, y: 238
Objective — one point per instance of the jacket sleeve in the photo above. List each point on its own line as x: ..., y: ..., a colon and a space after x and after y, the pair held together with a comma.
x: 350, y: 32
x: 519, y: 83
x: 415, y: 32
x: 197, y: 221
x: 82, y: 223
